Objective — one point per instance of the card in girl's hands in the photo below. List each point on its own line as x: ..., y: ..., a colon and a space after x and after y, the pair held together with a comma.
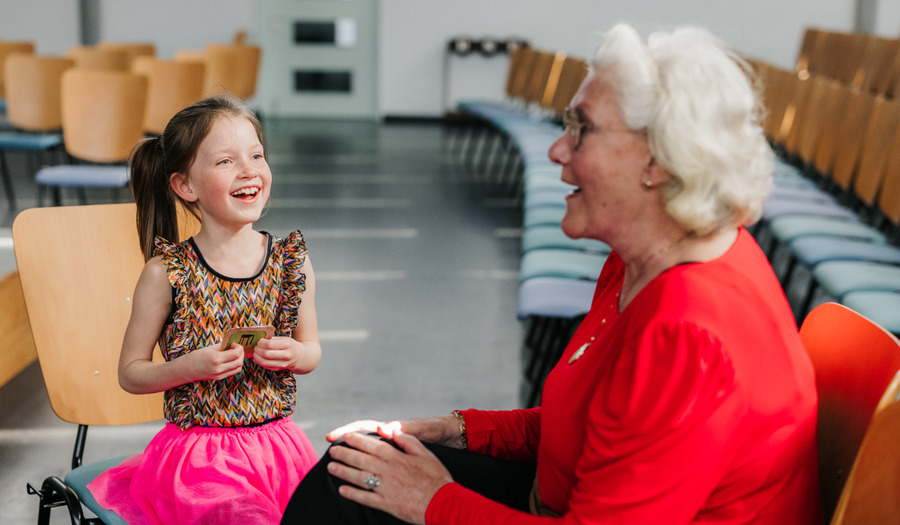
x: 247, y: 336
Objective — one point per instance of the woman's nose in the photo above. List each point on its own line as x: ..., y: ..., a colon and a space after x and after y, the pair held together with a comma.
x: 560, y: 152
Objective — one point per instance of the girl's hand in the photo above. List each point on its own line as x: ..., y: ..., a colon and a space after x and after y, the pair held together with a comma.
x: 409, y: 477
x: 278, y: 353
x: 440, y: 430
x: 210, y: 363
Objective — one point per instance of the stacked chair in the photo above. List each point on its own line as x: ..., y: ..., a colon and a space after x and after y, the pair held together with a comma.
x: 505, y: 148
x: 831, y: 227
x: 33, y: 107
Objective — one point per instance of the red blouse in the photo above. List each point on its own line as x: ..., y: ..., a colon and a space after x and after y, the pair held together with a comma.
x: 697, y: 403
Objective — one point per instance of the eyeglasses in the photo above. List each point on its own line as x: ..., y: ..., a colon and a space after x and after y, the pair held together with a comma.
x: 575, y: 126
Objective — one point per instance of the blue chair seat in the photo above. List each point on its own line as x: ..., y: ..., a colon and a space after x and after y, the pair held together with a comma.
x: 552, y: 237
x: 78, y: 480
x: 16, y: 140
x: 838, y: 278
x: 785, y: 207
x: 811, y: 250
x: 790, y: 227
x: 555, y: 297
x: 85, y: 175
x: 881, y: 307
x: 543, y: 216
x: 570, y: 264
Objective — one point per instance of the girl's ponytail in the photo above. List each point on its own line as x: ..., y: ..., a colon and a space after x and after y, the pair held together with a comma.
x: 156, y: 214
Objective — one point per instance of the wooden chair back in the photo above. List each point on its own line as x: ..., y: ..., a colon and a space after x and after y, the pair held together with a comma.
x: 248, y: 60
x: 8, y: 47
x: 527, y: 58
x: 79, y: 266
x: 889, y: 196
x: 851, y: 131
x: 574, y: 71
x: 132, y: 50
x: 95, y: 57
x: 831, y: 135
x: 103, y: 113
x: 807, y: 48
x: 855, y: 360
x: 171, y: 86
x: 551, y: 84
x: 876, y: 149
x: 779, y: 88
x: 821, y: 107
x: 870, y: 494
x: 536, y: 82
x: 33, y: 91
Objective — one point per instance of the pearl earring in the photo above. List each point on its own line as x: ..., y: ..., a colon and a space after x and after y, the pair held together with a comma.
x: 648, y: 183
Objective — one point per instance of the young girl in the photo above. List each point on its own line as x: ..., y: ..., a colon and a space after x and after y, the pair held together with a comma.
x: 229, y: 452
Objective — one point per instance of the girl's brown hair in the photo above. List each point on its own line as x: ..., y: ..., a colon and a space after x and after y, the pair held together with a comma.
x: 156, y: 159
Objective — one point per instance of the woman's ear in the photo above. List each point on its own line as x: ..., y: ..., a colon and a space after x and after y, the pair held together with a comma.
x: 182, y: 187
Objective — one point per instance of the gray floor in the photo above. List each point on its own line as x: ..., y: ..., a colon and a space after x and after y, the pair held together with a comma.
x: 417, y: 281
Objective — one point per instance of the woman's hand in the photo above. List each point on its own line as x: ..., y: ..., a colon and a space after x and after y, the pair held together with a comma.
x: 440, y: 430
x: 279, y: 353
x: 409, y: 477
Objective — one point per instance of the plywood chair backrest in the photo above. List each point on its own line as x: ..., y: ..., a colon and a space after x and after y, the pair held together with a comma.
x: 79, y: 266
x: 855, y: 360
x: 7, y: 48
x: 821, y: 106
x: 517, y: 61
x: 830, y: 137
x: 778, y: 87
x: 248, y: 59
x: 803, y: 112
x: 852, y: 129
x: 171, y: 86
x: 33, y: 91
x: 879, y: 64
x: 876, y: 149
x: 103, y: 113
x: 574, y: 71
x: 221, y: 68
x: 537, y: 79
x: 807, y: 48
x: 93, y: 57
x: 889, y: 196
x: 870, y: 494
x: 133, y: 50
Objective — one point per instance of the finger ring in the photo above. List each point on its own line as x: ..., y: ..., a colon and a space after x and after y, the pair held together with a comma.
x: 371, y: 482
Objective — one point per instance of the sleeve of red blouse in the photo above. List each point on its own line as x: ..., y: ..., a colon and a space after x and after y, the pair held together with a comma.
x: 657, y: 439
x: 506, y: 434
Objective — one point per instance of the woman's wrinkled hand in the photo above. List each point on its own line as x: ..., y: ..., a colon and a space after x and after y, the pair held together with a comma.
x: 409, y: 475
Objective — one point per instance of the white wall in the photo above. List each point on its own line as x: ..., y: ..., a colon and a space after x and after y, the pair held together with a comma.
x: 414, y: 33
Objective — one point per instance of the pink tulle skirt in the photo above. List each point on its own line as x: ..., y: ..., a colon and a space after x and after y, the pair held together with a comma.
x: 209, y: 475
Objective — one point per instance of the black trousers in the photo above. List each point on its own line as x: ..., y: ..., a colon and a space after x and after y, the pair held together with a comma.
x: 317, y: 501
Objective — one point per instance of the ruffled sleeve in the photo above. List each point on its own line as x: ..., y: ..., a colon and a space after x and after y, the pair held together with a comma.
x: 293, y: 248
x: 173, y: 256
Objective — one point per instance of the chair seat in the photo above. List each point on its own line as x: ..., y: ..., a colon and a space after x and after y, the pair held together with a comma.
x: 78, y: 480
x: 838, y: 278
x: 543, y: 215
x: 84, y: 176
x: 551, y: 236
x: 813, y: 250
x: 787, y: 207
x: 555, y: 297
x: 561, y: 263
x: 787, y: 228
x: 881, y: 307
x: 14, y: 140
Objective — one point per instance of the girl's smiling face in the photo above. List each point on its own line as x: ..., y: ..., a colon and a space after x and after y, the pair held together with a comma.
x: 229, y: 178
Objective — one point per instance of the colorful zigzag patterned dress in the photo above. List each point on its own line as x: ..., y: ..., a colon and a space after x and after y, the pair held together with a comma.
x: 229, y: 452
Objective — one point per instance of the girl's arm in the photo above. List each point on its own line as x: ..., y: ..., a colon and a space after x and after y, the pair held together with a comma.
x: 301, y: 352
x: 151, y: 306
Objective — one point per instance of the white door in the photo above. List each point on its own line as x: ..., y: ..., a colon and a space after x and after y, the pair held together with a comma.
x: 319, y: 58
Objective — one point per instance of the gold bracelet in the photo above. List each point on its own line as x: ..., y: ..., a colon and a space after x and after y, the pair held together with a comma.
x: 462, y: 429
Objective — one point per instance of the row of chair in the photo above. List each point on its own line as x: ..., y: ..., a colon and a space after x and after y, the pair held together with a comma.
x: 102, y: 119
x: 832, y: 224
x: 855, y: 358
x: 866, y: 62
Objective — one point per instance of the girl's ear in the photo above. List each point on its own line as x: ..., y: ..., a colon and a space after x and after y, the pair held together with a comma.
x: 182, y: 187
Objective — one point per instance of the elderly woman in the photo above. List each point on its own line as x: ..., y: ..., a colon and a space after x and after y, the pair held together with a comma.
x: 685, y: 396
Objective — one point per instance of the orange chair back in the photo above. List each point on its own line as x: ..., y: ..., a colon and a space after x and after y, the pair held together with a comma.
x: 7, y: 48
x: 92, y: 57
x: 855, y: 360
x: 171, y: 86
